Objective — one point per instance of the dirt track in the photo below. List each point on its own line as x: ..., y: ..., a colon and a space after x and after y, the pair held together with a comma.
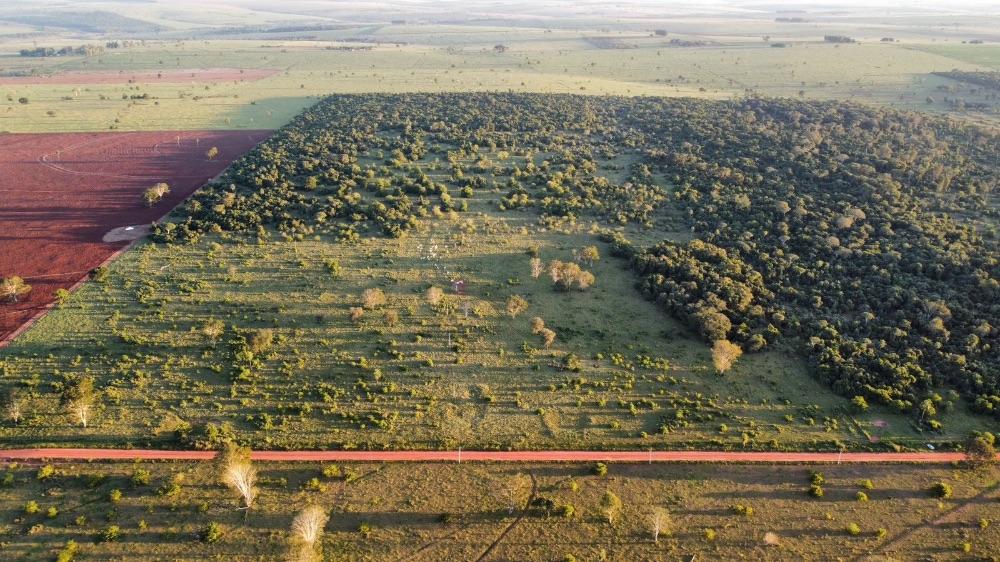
x: 489, y: 456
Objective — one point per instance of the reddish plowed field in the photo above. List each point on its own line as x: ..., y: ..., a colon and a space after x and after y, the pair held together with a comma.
x: 173, y: 76
x: 61, y: 193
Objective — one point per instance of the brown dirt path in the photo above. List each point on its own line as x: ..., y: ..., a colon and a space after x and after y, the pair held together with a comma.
x: 490, y: 456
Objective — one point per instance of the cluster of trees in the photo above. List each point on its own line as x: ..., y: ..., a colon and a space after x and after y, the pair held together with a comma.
x: 85, y: 50
x: 866, y: 236
x: 713, y: 290
x: 155, y: 194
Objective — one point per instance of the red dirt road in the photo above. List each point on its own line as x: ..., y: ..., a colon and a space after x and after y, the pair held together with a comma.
x: 488, y: 456
x: 173, y: 76
x: 61, y: 193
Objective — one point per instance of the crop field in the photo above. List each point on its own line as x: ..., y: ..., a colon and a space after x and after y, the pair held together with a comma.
x: 531, y: 512
x: 63, y: 193
x: 533, y: 60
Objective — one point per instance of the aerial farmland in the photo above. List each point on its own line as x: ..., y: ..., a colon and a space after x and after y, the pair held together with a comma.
x: 557, y: 281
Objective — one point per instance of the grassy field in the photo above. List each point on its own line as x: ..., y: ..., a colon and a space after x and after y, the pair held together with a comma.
x: 498, y: 512
x: 435, y: 59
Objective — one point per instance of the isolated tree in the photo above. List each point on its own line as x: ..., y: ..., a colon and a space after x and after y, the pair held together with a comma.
x: 611, y: 506
x: 659, y: 522
x: 13, y: 406
x: 155, y: 194
x: 516, y: 304
x: 13, y: 288
x: 307, y: 530
x: 537, y: 268
x: 981, y: 449
x: 434, y: 296
x: 589, y: 255
x: 724, y: 354
x: 548, y: 337
x: 513, y: 491
x: 373, y: 298
x: 211, y: 153
x: 80, y: 399
x: 569, y: 275
x: 239, y: 474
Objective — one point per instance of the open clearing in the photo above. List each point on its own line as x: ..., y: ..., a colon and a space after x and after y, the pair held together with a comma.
x: 62, y: 193
x: 495, y: 512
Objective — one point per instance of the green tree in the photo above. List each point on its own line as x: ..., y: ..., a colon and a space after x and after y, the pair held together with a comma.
x: 611, y: 506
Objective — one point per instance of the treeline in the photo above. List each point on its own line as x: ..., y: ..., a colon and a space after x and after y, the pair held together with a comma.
x: 867, y: 238
x: 85, y: 50
x: 989, y: 79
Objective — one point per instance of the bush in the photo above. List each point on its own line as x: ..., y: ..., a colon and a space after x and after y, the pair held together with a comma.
x: 600, y: 469
x: 816, y: 491
x: 31, y: 507
x: 941, y: 490
x: 109, y: 534
x: 68, y: 552
x: 140, y: 477
x: 45, y: 472
x: 862, y: 497
x: 211, y: 533
x: 853, y: 529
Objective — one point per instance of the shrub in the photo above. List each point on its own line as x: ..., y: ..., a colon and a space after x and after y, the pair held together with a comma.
x: 115, y: 496
x: 373, y: 298
x: 52, y: 512
x: 68, y: 552
x: 211, y: 533
x: 140, y: 477
x: 709, y: 535
x: 45, y: 472
x: 867, y: 484
x: 816, y: 491
x: 109, y: 534
x: 567, y: 510
x: 31, y: 507
x: 853, y: 529
x: 862, y: 497
x: 941, y: 490
x: 600, y: 469
x: 516, y: 304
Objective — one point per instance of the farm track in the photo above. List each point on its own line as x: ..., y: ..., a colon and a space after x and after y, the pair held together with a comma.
x: 71, y: 454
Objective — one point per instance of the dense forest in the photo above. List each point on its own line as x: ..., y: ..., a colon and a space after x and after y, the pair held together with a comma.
x: 865, y: 239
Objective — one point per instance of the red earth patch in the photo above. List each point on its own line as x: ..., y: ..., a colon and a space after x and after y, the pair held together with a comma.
x: 60, y: 194
x: 173, y: 76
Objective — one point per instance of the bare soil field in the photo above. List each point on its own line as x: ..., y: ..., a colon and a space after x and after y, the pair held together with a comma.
x: 60, y: 194
x: 176, y: 76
